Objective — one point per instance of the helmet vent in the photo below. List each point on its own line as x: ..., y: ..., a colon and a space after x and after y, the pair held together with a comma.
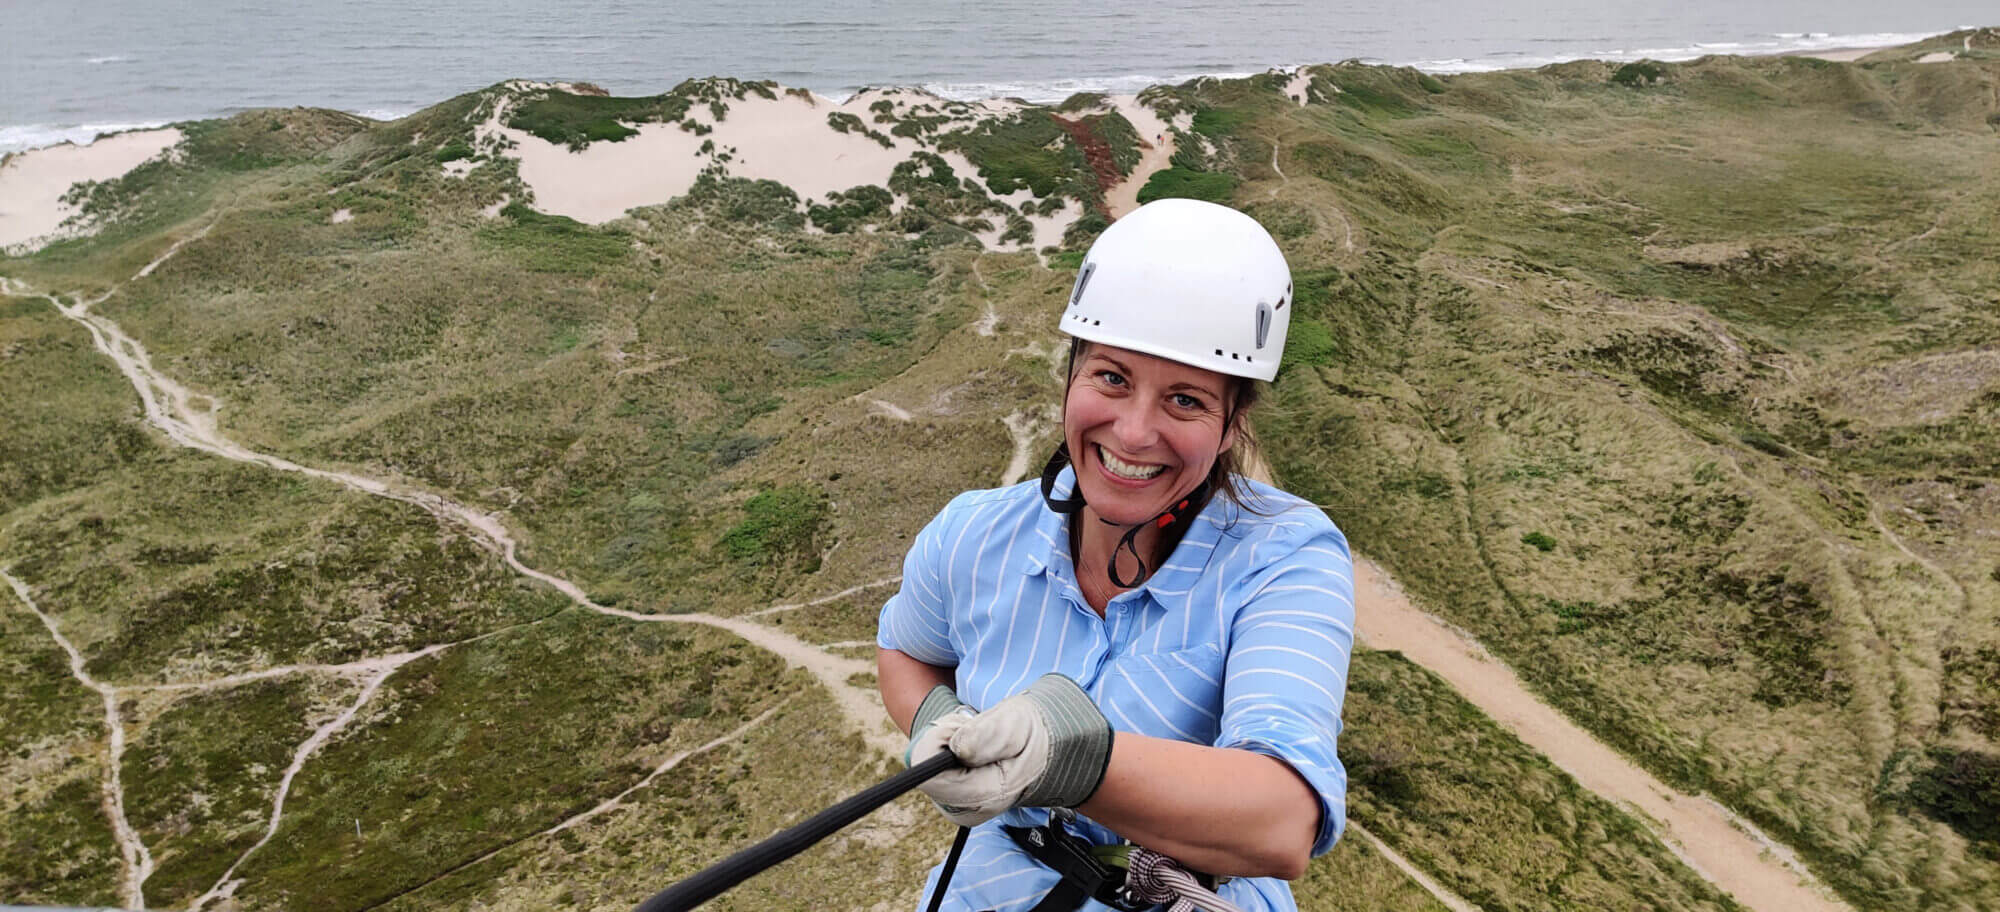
x: 1082, y: 280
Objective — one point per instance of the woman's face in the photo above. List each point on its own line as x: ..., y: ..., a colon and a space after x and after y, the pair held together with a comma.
x: 1142, y: 431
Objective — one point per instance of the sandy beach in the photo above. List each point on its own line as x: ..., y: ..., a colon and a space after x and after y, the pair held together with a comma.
x: 32, y: 183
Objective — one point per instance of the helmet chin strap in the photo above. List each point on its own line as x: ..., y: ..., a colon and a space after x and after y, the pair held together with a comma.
x: 1174, y: 520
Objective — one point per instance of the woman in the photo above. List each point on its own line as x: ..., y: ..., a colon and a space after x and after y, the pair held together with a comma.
x: 1146, y: 647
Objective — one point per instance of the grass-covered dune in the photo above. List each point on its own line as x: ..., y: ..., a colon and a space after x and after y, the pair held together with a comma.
x: 1674, y: 384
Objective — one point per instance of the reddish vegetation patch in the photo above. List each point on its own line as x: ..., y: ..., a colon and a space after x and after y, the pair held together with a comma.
x: 1095, y: 151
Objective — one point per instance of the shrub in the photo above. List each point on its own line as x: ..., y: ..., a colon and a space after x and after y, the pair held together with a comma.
x: 736, y: 199
x: 849, y: 208
x: 1217, y: 122
x: 1760, y: 440
x: 843, y: 122
x: 1027, y: 151
x: 579, y: 120
x: 1540, y: 541
x: 1309, y: 343
x: 1639, y: 74
x: 780, y: 526
x: 1180, y: 183
x: 555, y: 243
x: 1961, y: 788
x: 454, y: 152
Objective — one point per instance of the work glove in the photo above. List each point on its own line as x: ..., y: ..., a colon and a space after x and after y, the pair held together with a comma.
x: 1047, y: 746
x: 941, y: 702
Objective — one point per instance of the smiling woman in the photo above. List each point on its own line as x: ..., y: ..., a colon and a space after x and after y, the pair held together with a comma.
x: 1141, y: 661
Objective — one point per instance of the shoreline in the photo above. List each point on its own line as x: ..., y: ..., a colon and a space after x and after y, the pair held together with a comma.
x: 24, y: 137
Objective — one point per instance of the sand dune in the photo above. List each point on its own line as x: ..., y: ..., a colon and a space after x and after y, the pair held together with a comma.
x: 32, y: 183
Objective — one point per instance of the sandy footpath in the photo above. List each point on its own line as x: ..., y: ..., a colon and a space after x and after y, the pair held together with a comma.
x: 1720, y: 846
x: 32, y: 183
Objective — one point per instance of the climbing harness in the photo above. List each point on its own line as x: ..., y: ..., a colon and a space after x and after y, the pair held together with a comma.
x: 1125, y: 877
x: 717, y: 878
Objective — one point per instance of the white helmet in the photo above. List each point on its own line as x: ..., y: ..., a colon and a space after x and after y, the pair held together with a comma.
x: 1189, y: 281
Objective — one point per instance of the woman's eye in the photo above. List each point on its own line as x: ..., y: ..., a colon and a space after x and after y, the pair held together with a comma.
x: 1111, y: 378
x: 1188, y: 402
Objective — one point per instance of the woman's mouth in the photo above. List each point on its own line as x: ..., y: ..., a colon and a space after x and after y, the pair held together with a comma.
x: 1128, y: 470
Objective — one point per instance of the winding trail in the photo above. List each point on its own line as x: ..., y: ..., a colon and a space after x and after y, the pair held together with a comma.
x: 1730, y: 852
x: 1154, y: 157
x: 1726, y: 850
x: 172, y: 408
x: 137, y: 860
x: 1024, y: 427
x: 851, y: 590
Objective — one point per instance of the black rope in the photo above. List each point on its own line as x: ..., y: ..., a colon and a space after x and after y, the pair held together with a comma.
x: 717, y: 878
x: 950, y: 865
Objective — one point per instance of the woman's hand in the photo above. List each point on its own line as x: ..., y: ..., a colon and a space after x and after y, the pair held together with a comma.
x: 1046, y: 746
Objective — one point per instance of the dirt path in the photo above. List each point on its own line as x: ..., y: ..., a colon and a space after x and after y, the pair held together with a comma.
x: 137, y: 861
x: 383, y: 668
x: 1025, y: 428
x: 1154, y: 157
x: 1758, y: 872
x: 170, y: 407
x: 173, y: 409
x: 1436, y: 890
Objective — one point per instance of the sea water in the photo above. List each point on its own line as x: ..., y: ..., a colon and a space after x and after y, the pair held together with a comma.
x: 70, y: 70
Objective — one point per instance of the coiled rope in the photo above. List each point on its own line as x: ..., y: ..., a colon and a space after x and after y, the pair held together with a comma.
x: 1155, y: 878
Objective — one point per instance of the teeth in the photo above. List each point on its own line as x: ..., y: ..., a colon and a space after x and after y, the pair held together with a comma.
x: 1124, y: 469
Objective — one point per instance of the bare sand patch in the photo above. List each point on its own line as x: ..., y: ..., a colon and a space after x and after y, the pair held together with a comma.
x: 341, y: 215
x: 32, y: 183
x: 1299, y: 89
x: 1938, y: 57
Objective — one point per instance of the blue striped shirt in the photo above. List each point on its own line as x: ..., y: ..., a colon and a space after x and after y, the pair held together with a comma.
x: 1241, y: 639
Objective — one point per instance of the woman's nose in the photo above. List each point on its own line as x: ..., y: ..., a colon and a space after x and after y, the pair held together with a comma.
x: 1135, y: 427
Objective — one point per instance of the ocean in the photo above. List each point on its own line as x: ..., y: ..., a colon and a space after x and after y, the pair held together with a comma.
x: 71, y: 70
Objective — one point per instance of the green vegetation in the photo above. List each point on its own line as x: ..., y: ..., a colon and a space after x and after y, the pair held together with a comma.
x: 781, y: 525
x: 1681, y: 401
x: 1028, y: 150
x: 843, y: 122
x: 1640, y: 74
x: 1177, y: 183
x: 579, y: 120
x: 847, y: 209
x: 554, y: 243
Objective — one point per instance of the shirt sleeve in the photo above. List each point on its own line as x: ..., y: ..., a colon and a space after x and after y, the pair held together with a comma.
x: 916, y: 621
x: 1286, y: 673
